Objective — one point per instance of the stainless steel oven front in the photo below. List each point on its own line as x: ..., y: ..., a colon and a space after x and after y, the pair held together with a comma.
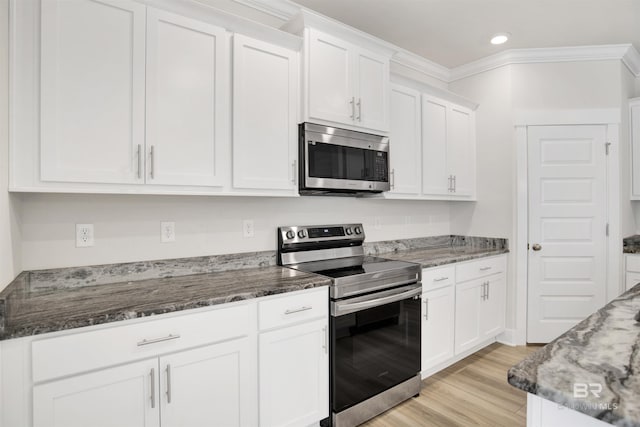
x: 375, y: 353
x: 336, y: 160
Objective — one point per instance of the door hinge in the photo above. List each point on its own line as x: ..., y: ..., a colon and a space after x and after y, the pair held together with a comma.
x: 606, y: 147
x: 607, y: 230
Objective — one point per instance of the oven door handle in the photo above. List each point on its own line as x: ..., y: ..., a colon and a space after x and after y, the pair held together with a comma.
x: 342, y: 308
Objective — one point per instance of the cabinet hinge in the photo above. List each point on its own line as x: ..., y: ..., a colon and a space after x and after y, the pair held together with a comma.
x: 607, y: 230
x: 606, y: 147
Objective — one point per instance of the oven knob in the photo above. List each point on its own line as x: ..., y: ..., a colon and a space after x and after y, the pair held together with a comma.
x: 348, y: 231
x: 302, y: 234
x: 290, y: 234
x: 358, y: 230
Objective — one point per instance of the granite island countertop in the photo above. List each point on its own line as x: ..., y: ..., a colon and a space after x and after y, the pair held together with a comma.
x: 603, y: 349
x: 32, y: 312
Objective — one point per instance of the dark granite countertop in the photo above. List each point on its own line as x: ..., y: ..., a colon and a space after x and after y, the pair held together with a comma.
x: 631, y: 244
x: 433, y: 257
x: 603, y: 349
x: 44, y: 301
x: 32, y: 312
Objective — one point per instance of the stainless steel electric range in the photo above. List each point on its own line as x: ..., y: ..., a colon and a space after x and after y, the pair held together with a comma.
x: 375, y: 318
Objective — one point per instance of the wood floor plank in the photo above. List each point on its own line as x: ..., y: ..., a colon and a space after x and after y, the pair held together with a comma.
x: 472, y: 392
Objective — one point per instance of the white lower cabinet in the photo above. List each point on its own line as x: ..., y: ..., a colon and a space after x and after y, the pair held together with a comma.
x: 209, y: 386
x: 632, y: 271
x: 437, y: 326
x: 226, y: 366
x: 294, y: 375
x: 123, y: 396
x: 463, y: 310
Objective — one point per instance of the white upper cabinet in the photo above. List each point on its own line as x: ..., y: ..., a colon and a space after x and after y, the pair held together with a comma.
x: 92, y: 90
x: 265, y: 122
x: 330, y: 84
x: 346, y: 84
x: 448, y: 149
x: 634, y: 129
x: 405, y: 141
x: 186, y: 101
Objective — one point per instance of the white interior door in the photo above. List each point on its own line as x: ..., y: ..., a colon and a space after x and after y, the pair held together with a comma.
x: 567, y: 219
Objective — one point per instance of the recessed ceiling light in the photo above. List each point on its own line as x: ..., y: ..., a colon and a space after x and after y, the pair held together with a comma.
x: 500, y: 38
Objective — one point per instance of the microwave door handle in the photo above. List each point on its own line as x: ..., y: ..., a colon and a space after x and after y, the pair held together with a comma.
x: 342, y: 308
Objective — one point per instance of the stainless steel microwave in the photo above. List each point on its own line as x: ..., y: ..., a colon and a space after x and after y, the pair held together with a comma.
x: 342, y: 162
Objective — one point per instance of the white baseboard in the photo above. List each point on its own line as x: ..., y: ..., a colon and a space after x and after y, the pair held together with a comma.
x: 508, y: 337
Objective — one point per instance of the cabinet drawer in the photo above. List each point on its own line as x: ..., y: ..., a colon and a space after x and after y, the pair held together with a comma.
x: 439, y: 277
x: 70, y: 354
x: 633, y: 263
x: 480, y: 268
x: 631, y: 280
x: 290, y: 309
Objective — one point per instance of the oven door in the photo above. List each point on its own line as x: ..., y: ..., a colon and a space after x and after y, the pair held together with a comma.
x: 375, y: 344
x: 344, y: 164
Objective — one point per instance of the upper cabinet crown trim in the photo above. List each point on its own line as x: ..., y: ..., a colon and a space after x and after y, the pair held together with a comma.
x: 306, y: 18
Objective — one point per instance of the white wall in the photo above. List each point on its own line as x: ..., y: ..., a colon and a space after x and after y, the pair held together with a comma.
x: 9, y: 205
x: 492, y: 215
x: 501, y: 92
x: 127, y: 228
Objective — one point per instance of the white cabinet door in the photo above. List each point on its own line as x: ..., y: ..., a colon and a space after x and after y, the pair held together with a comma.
x: 405, y: 141
x: 371, y: 91
x: 209, y: 386
x: 186, y: 100
x: 329, y: 74
x: 634, y: 117
x: 294, y: 375
x: 123, y: 396
x: 92, y: 90
x: 265, y: 131
x: 461, y: 150
x: 492, y: 311
x: 435, y: 176
x: 437, y: 326
x: 468, y: 312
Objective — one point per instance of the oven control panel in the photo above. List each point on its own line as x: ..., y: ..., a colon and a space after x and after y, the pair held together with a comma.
x: 315, y: 233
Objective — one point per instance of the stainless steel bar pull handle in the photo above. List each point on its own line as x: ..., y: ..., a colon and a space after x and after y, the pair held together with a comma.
x: 488, y: 288
x: 294, y: 175
x: 153, y: 388
x: 298, y: 310
x: 325, y: 344
x: 152, y: 155
x: 484, y: 293
x: 157, y: 340
x: 440, y: 279
x: 393, y: 178
x: 139, y: 161
x: 454, y: 183
x: 359, y: 118
x: 426, y: 309
x: 485, y: 268
x: 353, y: 108
x: 168, y: 383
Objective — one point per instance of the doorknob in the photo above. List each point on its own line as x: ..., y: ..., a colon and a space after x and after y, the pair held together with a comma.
x: 536, y: 247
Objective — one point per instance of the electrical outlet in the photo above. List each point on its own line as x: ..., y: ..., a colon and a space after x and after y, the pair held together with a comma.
x: 84, y: 235
x: 247, y: 228
x: 167, y: 232
x: 377, y: 223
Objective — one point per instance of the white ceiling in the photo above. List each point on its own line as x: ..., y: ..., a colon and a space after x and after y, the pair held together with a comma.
x: 455, y: 32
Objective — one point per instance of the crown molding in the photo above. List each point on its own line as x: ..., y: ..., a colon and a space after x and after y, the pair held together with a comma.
x: 624, y: 52
x: 627, y: 53
x: 422, y: 65
x: 281, y: 9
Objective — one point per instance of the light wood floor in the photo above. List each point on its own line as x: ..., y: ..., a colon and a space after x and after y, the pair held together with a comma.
x: 472, y: 392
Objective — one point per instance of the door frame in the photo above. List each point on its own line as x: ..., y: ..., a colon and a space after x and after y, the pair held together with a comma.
x: 608, y: 117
